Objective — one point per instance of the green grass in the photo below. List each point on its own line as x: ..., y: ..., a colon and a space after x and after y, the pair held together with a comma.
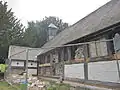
x: 61, y: 86
x: 5, y: 86
x: 55, y: 86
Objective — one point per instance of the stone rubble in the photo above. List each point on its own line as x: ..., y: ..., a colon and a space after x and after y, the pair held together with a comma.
x: 34, y: 83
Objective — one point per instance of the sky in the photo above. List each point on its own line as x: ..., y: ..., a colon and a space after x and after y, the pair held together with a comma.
x: 69, y: 11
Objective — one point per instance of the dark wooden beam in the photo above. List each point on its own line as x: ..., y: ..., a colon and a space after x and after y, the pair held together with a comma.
x: 85, y: 53
x: 69, y: 53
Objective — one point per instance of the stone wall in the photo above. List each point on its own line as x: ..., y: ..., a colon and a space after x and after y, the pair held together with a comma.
x: 45, y: 71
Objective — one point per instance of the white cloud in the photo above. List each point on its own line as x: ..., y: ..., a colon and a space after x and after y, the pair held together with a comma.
x: 68, y: 10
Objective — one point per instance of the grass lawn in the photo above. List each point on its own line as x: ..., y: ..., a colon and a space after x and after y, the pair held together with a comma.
x: 55, y: 86
x: 5, y: 86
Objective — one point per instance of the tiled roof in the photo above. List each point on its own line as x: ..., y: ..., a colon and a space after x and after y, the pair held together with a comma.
x: 103, y: 17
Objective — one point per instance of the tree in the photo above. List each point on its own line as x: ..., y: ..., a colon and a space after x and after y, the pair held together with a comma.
x: 36, y: 34
x: 11, y: 30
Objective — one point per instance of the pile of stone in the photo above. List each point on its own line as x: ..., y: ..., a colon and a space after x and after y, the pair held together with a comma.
x: 16, y: 78
x: 33, y: 82
x: 37, y: 85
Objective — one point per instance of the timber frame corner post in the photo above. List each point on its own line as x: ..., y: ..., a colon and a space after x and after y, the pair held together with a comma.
x: 69, y: 54
x: 61, y: 79
x: 26, y: 71
x: 52, y: 64
x: 62, y: 66
x: 85, y: 62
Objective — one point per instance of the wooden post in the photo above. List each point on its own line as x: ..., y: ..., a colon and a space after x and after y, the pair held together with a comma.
x: 38, y: 63
x: 62, y: 65
x: 27, y: 68
x: 69, y: 53
x: 43, y: 62
x: 85, y: 62
x: 62, y: 54
x: 45, y: 59
x: 52, y: 65
x: 51, y: 72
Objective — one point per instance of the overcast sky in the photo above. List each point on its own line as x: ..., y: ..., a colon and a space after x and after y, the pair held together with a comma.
x: 69, y: 10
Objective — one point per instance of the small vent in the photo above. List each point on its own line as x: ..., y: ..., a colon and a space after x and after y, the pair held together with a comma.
x: 17, y: 63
